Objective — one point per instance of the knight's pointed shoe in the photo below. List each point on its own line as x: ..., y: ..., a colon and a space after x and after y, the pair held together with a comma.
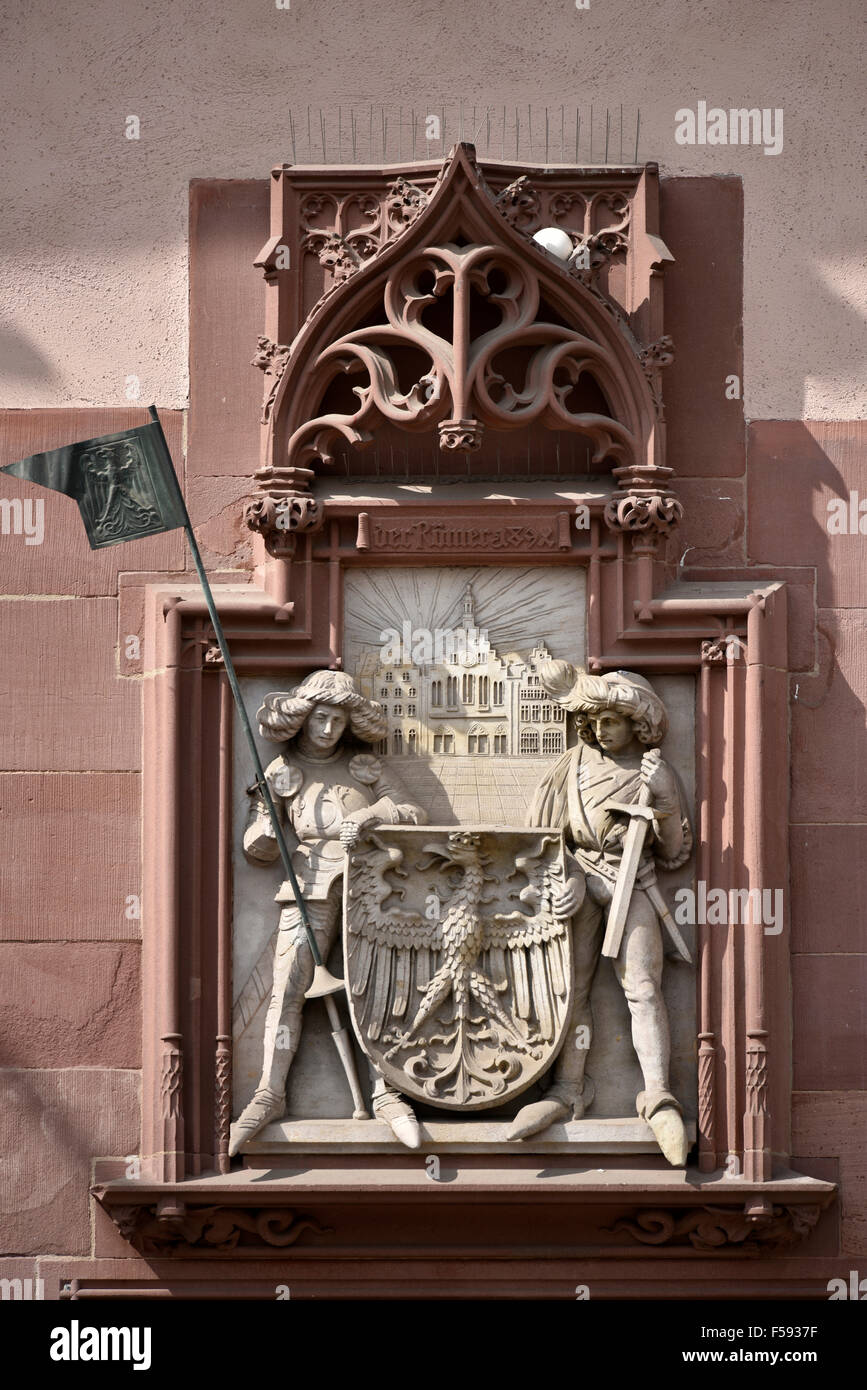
x: 670, y: 1133
x: 662, y: 1112
x: 263, y: 1108
x: 561, y: 1103
x: 532, y: 1119
x: 391, y: 1107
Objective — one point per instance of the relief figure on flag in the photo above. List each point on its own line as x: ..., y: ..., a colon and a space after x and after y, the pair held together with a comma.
x: 624, y: 816
x: 328, y: 789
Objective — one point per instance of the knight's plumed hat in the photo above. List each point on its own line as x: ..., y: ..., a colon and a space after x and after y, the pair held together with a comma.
x: 284, y: 712
x: 625, y: 692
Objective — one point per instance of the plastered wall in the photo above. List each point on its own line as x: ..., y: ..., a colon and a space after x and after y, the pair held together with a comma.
x: 93, y: 224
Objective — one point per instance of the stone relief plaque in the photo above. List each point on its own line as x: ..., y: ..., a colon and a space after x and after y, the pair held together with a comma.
x: 470, y: 804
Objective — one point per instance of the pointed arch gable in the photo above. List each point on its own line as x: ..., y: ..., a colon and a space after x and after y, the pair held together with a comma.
x: 459, y: 253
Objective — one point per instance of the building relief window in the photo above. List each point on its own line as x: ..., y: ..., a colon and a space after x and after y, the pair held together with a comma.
x: 499, y: 743
x: 436, y: 693
x: 530, y: 741
x: 383, y: 694
x: 468, y: 689
x: 410, y: 709
x: 397, y: 741
x: 552, y: 741
x: 484, y: 689
x: 451, y: 690
x: 499, y: 688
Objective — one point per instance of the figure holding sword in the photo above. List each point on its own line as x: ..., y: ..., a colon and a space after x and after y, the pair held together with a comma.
x: 624, y: 815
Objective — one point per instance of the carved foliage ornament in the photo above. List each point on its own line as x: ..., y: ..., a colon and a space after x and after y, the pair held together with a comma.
x: 278, y: 519
x: 272, y: 359
x: 341, y: 248
x: 215, y: 1228
x: 654, y: 511
x: 714, y: 1228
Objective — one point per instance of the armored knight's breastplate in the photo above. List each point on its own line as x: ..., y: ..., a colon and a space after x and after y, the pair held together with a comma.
x: 325, y: 797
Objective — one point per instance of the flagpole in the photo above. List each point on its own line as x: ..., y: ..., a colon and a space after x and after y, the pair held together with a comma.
x: 325, y: 985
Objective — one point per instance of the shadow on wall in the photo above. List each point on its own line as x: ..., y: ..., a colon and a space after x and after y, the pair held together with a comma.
x: 23, y: 361
x: 808, y: 508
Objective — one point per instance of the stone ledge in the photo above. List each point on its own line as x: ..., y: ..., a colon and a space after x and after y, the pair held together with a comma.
x: 348, y: 1136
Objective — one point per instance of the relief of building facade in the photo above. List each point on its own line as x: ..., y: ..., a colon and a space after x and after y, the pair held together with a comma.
x: 475, y: 704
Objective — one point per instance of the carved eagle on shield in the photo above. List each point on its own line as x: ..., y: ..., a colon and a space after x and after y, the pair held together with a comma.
x: 459, y: 974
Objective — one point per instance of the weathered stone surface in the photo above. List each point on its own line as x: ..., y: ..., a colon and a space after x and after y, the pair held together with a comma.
x: 52, y: 1123
x: 713, y: 522
x: 69, y: 1005
x: 829, y: 742
x: 131, y: 608
x: 702, y: 224
x: 228, y: 226
x: 216, y: 507
x: 834, y: 1124
x: 829, y: 887
x: 57, y: 884
x: 85, y: 718
x: 829, y: 1002
x: 796, y: 469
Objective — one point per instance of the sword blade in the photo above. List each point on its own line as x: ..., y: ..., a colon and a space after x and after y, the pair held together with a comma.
x: 633, y: 844
x: 668, y: 922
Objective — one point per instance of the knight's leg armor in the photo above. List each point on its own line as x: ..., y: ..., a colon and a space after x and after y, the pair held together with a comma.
x: 293, y: 973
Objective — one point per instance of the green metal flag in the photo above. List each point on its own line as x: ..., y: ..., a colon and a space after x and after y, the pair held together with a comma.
x: 124, y: 484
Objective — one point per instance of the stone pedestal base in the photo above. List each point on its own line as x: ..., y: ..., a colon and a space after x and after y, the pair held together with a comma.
x: 631, y: 1136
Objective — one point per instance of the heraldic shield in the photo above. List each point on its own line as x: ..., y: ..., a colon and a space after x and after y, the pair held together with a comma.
x: 459, y: 976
